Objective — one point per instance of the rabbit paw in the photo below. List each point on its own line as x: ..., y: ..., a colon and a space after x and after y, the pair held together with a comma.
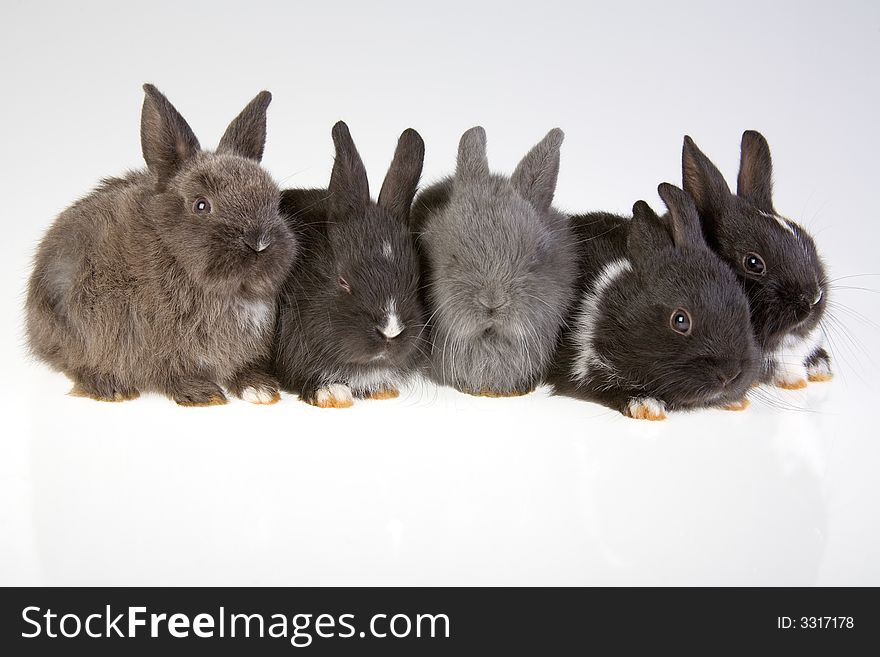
x: 260, y: 395
x: 102, y: 388
x: 790, y: 376
x: 335, y: 395
x: 198, y: 393
x: 740, y: 405
x: 820, y: 371
x: 646, y: 408
x: 790, y: 383
x: 254, y: 386
x: 382, y: 393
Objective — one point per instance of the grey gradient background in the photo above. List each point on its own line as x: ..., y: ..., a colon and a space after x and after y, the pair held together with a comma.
x: 438, y: 488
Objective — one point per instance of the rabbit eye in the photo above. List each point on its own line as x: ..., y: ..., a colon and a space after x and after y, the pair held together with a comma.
x: 680, y: 321
x: 344, y: 285
x: 202, y: 205
x: 754, y: 264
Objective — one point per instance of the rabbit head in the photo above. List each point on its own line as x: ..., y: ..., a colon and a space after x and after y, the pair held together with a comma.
x: 774, y: 258
x: 217, y: 212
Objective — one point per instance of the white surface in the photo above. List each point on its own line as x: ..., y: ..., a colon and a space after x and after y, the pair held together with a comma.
x: 437, y: 487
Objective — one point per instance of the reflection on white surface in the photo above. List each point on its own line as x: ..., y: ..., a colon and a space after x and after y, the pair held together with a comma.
x: 441, y: 488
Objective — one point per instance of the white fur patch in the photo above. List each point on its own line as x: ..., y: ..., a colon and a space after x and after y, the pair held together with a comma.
x: 790, y: 359
x: 585, y: 321
x: 782, y: 221
x: 257, y: 395
x: 392, y: 327
x: 373, y: 380
x: 335, y: 391
x: 258, y: 315
x: 646, y: 408
x: 387, y: 250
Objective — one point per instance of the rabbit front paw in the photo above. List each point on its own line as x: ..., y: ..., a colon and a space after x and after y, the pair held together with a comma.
x: 101, y: 388
x: 646, y: 408
x: 334, y: 395
x: 740, y: 405
x: 197, y: 393
x: 255, y: 386
x: 819, y: 366
x: 382, y: 393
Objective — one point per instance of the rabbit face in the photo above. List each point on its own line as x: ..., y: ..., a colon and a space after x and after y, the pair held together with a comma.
x: 221, y: 221
x: 774, y: 258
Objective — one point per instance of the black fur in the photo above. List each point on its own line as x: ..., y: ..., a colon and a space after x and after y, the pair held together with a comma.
x: 335, y: 299
x: 783, y: 301
x: 641, y: 355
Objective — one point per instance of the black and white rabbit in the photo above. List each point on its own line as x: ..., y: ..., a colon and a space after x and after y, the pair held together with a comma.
x: 661, y: 322
x: 774, y: 258
x: 350, y: 320
x: 165, y: 279
x: 500, y: 267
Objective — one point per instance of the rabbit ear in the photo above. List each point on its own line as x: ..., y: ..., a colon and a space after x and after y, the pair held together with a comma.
x: 472, y: 165
x: 246, y: 135
x: 647, y: 233
x: 682, y: 221
x: 167, y: 140
x: 755, y: 181
x: 349, y: 189
x: 702, y: 180
x: 402, y: 179
x: 535, y: 176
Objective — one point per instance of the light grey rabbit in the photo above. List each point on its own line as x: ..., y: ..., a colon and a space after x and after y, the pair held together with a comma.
x: 500, y: 267
x: 166, y: 279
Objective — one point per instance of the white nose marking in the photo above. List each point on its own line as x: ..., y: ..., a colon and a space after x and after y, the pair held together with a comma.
x: 392, y: 327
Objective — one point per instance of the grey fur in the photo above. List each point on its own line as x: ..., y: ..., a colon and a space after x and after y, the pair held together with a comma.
x: 132, y: 290
x: 500, y: 267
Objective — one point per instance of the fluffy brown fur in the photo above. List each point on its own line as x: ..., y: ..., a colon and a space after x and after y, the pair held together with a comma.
x: 165, y: 279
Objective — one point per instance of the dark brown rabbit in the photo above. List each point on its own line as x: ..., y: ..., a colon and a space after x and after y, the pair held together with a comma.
x: 165, y: 279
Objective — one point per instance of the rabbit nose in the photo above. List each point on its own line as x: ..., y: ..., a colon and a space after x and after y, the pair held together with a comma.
x: 491, y: 301
x: 729, y: 376
x: 803, y: 306
x: 257, y: 241
x: 392, y: 327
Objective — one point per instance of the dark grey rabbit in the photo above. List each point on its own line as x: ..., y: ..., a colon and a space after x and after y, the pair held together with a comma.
x: 165, y: 279
x: 774, y: 258
x: 500, y: 268
x: 661, y: 322
x: 350, y: 323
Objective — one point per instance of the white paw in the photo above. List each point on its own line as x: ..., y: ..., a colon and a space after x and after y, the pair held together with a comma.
x: 335, y: 395
x: 820, y: 371
x: 790, y: 376
x: 646, y: 408
x: 260, y: 395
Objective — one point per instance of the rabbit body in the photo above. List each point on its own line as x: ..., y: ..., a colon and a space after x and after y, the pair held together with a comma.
x: 660, y: 322
x: 351, y: 322
x: 156, y: 281
x: 499, y: 264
